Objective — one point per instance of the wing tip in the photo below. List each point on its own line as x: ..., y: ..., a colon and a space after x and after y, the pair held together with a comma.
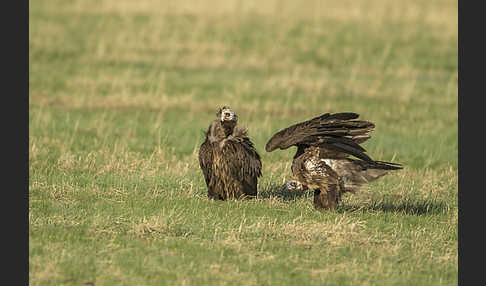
x: 389, y: 165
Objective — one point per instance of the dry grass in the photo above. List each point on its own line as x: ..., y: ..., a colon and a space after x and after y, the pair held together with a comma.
x: 121, y: 92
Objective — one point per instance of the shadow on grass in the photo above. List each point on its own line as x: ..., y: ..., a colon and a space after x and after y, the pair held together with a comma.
x: 406, y: 206
x: 409, y: 207
x: 280, y: 192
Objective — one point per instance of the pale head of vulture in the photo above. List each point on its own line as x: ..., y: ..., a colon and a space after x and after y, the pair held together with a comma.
x: 227, y: 115
x: 228, y: 119
x: 294, y: 186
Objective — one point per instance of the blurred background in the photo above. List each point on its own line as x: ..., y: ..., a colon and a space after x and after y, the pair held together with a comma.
x: 275, y: 63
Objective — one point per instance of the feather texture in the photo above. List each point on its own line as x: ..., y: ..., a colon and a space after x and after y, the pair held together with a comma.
x: 324, y: 144
x: 229, y: 162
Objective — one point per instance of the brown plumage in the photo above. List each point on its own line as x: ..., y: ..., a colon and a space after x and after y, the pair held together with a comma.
x: 322, y: 162
x: 229, y: 162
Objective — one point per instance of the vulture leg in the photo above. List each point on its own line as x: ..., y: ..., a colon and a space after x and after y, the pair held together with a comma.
x: 326, y: 197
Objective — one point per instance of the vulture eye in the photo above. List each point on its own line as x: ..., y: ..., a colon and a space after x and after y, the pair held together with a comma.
x: 227, y: 114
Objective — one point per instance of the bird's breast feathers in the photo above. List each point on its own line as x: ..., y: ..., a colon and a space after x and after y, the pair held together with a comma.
x: 316, y: 167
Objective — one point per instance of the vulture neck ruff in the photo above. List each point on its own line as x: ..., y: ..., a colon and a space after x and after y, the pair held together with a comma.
x: 219, y: 131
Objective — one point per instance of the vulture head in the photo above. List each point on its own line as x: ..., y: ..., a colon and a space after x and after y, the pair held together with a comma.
x: 227, y: 115
x: 228, y: 118
x: 294, y: 186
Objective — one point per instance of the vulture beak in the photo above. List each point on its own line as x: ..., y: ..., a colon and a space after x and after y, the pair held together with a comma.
x: 228, y: 115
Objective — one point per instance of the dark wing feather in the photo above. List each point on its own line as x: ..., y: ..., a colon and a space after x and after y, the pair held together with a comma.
x: 338, y: 132
x: 206, y: 163
x: 206, y: 160
x: 242, y: 161
x: 242, y: 156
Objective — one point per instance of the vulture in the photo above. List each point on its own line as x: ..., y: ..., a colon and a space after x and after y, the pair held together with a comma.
x: 322, y: 162
x: 228, y: 159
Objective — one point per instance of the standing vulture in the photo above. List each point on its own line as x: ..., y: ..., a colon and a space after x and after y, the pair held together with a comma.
x: 322, y: 162
x: 229, y: 162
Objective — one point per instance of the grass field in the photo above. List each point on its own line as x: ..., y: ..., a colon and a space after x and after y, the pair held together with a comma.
x: 121, y: 92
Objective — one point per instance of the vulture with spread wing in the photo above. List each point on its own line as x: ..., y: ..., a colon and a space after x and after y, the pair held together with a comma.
x: 324, y: 145
x: 229, y: 162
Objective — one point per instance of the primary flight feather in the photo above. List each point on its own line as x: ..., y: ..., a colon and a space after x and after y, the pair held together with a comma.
x: 322, y: 161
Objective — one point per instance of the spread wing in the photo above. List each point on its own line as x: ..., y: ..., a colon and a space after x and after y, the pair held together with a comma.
x: 338, y: 132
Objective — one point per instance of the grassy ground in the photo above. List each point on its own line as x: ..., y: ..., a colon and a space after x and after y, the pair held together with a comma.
x: 121, y: 92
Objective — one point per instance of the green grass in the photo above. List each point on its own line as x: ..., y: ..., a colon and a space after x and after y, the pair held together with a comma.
x: 121, y: 92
